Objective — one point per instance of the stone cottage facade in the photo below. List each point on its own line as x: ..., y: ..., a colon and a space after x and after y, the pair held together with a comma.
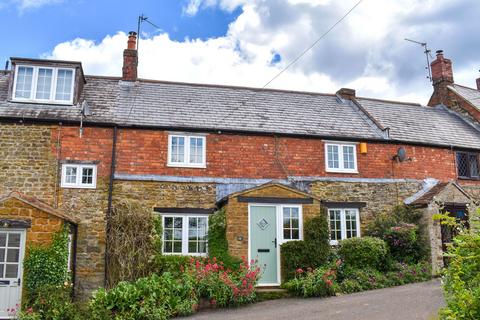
x: 76, y: 144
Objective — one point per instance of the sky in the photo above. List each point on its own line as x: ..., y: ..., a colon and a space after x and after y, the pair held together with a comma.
x: 248, y: 42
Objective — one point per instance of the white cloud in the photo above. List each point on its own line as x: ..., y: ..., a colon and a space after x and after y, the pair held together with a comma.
x: 193, y: 6
x: 24, y: 5
x: 366, y: 52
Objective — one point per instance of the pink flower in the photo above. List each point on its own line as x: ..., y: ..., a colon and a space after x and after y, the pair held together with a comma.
x: 299, y: 270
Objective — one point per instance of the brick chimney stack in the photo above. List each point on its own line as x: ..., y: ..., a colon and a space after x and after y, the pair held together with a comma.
x: 441, y: 70
x: 130, y: 58
x: 346, y: 93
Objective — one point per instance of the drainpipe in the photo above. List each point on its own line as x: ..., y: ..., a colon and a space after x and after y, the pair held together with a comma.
x: 110, y: 196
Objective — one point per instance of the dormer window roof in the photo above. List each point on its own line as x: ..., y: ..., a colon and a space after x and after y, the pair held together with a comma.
x: 46, y: 81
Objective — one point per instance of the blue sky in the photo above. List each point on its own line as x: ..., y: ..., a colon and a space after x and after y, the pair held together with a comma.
x: 247, y: 42
x: 38, y: 29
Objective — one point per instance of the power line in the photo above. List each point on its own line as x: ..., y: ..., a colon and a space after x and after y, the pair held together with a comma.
x: 323, y: 35
x: 312, y: 45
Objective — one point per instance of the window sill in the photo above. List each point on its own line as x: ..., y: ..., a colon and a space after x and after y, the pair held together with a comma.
x: 341, y: 171
x: 183, y: 165
x: 78, y: 187
x: 467, y: 178
x: 185, y: 254
x: 30, y: 101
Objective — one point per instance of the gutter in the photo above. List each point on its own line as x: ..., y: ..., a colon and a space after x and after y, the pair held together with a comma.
x: 110, y: 197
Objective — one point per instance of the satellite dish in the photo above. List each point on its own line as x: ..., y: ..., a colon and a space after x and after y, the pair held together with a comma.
x: 86, y: 109
x: 401, y: 154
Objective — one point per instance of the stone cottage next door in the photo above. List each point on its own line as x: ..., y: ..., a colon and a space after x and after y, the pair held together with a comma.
x: 24, y: 222
x: 12, y: 252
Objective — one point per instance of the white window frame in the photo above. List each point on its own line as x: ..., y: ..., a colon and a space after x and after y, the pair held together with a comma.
x: 186, y: 163
x: 78, y: 183
x: 185, y: 230
x: 53, y: 89
x: 300, y: 222
x: 341, y: 168
x: 343, y: 224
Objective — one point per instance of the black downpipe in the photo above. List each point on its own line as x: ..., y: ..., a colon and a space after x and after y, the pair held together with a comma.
x: 110, y: 196
x: 74, y: 228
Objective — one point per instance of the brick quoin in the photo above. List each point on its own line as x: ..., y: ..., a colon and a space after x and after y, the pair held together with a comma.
x: 246, y: 156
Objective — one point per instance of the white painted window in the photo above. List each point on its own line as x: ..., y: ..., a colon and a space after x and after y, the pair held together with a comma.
x: 185, y: 234
x: 79, y: 176
x: 186, y: 151
x: 344, y: 224
x: 340, y: 157
x: 44, y: 84
x: 291, y: 223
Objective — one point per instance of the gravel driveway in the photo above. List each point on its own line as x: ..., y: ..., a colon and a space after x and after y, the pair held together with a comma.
x: 409, y: 302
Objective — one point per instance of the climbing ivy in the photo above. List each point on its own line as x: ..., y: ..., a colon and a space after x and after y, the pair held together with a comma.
x: 47, y: 265
x: 217, y: 240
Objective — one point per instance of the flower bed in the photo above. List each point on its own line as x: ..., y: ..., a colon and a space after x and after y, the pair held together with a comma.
x: 338, y: 278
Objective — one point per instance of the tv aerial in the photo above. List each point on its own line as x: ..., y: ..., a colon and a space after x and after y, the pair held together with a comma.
x: 428, y: 56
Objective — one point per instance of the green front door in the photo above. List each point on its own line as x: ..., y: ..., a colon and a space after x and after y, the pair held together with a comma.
x: 263, y: 241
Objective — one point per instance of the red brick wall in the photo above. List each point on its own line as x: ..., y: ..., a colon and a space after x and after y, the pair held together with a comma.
x: 245, y: 156
x: 145, y: 152
x: 95, y: 145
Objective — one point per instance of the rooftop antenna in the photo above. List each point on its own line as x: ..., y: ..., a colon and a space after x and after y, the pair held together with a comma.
x: 142, y: 18
x: 428, y: 56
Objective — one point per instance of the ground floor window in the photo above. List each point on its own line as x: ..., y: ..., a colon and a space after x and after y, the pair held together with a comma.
x: 344, y: 224
x: 185, y: 234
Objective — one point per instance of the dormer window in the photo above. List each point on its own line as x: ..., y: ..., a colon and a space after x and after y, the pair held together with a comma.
x: 43, y: 84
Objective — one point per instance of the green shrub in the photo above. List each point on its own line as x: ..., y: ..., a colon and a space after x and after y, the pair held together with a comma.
x: 153, y: 297
x: 312, y: 252
x: 364, y: 252
x: 462, y: 279
x: 217, y: 240
x: 222, y: 286
x: 173, y: 264
x: 46, y: 266
x: 320, y: 282
x: 51, y: 303
x: 360, y: 279
x: 403, y: 242
x: 404, y: 231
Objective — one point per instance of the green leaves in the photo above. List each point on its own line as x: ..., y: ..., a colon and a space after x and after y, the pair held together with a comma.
x: 312, y: 252
x: 47, y: 265
x: 462, y: 279
x: 364, y: 252
x: 217, y: 240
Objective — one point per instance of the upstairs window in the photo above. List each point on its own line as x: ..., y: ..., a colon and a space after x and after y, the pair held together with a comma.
x: 186, y: 151
x: 340, y: 157
x: 468, y: 165
x: 44, y: 84
x: 79, y: 176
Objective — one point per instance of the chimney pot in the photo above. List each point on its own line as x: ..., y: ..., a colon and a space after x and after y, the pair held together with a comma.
x: 478, y: 83
x: 346, y: 93
x: 130, y: 58
x: 132, y: 40
x: 441, y: 69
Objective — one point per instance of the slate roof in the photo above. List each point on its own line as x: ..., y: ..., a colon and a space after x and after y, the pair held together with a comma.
x: 469, y: 94
x: 160, y: 104
x: 415, y: 123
